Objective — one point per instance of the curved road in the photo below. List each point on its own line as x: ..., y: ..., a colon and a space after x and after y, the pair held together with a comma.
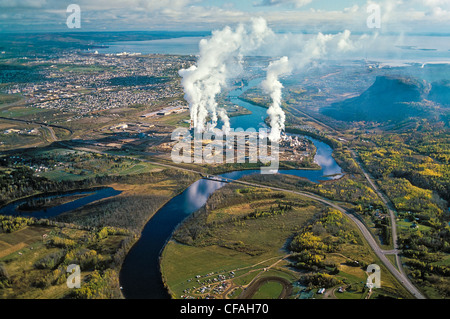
x: 365, y: 232
x: 392, y: 214
x: 391, y: 210
x: 400, y: 276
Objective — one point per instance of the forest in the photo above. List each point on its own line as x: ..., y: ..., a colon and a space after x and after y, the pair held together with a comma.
x: 97, y: 236
x: 98, y: 251
x: 411, y: 166
x: 323, y: 235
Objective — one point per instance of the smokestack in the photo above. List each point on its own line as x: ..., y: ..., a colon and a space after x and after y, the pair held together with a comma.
x: 273, y: 87
x: 221, y: 59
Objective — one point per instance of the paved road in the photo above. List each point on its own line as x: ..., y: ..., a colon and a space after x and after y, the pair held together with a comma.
x: 36, y: 123
x: 392, y: 214
x: 365, y: 232
x: 403, y: 279
x: 385, y: 201
x: 391, y: 211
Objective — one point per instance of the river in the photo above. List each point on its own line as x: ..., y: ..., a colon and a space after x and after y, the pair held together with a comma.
x: 140, y: 276
x: 90, y: 196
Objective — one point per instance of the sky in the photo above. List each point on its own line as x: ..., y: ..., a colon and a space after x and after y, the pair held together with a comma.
x: 414, y: 16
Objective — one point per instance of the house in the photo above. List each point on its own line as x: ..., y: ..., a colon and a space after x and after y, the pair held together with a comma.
x: 321, y: 291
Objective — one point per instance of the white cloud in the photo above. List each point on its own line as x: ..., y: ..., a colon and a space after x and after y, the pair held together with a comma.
x: 296, y: 3
x: 411, y: 15
x: 352, y: 9
x: 22, y: 3
x: 439, y: 9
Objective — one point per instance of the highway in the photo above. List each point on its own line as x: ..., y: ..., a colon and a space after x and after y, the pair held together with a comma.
x: 400, y: 276
x: 390, y: 208
x: 36, y: 123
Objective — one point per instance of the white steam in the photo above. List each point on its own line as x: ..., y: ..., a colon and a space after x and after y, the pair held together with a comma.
x: 273, y: 87
x: 221, y: 59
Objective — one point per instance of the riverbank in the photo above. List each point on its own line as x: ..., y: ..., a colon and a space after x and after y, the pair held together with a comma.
x: 144, y: 199
x: 244, y: 233
x: 141, y: 276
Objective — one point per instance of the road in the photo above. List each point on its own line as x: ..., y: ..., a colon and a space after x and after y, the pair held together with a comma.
x: 385, y: 201
x: 390, y: 208
x: 381, y: 254
x: 36, y: 123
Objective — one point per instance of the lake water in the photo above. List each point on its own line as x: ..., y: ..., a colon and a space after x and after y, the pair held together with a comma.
x: 389, y: 49
x: 176, y: 46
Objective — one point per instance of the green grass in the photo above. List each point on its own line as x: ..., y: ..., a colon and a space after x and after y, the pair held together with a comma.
x: 15, y: 141
x: 85, y: 165
x: 197, y: 261
x: 82, y: 68
x: 235, y: 293
x: 250, y: 241
x: 405, y: 226
x: 355, y: 293
x: 138, y: 168
x: 176, y: 119
x: 445, y: 261
x: 19, y: 112
x: 269, y: 290
x: 58, y: 175
x: 9, y: 98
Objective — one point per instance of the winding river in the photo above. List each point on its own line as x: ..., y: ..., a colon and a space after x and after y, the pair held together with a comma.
x: 140, y: 276
x: 86, y: 197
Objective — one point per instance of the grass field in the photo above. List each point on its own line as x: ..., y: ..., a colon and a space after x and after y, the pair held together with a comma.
x: 405, y: 226
x: 15, y: 242
x: 84, y: 241
x: 68, y: 165
x: 27, y: 246
x: 20, y: 111
x: 250, y: 247
x: 269, y: 290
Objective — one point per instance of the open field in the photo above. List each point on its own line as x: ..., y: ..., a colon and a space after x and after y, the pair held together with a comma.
x: 237, y: 246
x: 11, y: 243
x: 96, y: 236
x: 28, y: 275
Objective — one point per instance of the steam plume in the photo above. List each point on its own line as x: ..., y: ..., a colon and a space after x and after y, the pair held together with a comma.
x: 273, y: 87
x: 221, y: 58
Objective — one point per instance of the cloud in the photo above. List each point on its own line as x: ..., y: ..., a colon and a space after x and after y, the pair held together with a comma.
x: 22, y: 3
x: 296, y: 3
x: 439, y: 9
x: 221, y: 57
x: 411, y: 15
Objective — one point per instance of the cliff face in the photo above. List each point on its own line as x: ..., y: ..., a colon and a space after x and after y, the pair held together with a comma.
x: 389, y: 98
x: 440, y: 93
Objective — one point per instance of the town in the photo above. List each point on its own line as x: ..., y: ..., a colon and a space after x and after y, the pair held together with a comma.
x: 82, y: 83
